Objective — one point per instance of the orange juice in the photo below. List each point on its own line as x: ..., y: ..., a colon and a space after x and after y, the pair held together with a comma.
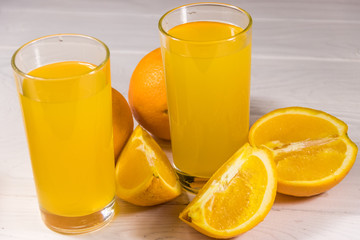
x: 70, y: 145
x: 207, y: 70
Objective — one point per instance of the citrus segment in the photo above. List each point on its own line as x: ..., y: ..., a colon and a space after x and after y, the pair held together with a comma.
x: 294, y: 124
x: 237, y: 197
x: 144, y: 175
x: 315, y: 169
x: 311, y: 149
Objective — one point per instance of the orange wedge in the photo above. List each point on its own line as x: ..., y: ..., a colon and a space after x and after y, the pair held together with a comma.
x: 144, y: 175
x: 237, y: 197
x: 311, y: 149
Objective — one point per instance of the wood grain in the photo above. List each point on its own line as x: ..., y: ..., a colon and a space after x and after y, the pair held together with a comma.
x: 305, y: 53
x: 127, y: 31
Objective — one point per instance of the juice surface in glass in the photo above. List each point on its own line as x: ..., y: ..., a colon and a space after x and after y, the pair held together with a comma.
x: 208, y: 87
x: 69, y: 129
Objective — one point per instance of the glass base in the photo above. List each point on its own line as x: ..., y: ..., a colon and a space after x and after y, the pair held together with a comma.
x: 191, y: 183
x: 77, y: 225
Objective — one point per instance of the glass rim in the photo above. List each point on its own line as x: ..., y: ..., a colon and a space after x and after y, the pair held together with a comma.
x: 246, y: 29
x: 26, y: 75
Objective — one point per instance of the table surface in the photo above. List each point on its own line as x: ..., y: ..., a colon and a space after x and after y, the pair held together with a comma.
x: 305, y: 53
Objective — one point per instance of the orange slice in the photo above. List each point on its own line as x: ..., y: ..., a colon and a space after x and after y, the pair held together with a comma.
x: 237, y: 197
x: 311, y: 149
x: 144, y: 175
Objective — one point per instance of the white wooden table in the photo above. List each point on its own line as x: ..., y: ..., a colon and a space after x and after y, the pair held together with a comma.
x: 305, y: 53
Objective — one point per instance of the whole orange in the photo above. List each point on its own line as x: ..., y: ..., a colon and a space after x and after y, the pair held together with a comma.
x: 123, y: 122
x: 147, y: 95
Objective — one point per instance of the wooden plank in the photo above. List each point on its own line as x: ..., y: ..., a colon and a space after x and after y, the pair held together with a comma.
x: 161, y: 222
x: 308, y: 10
x: 292, y: 39
x: 304, y: 53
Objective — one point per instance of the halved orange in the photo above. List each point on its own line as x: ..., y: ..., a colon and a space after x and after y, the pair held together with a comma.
x: 237, y: 197
x: 311, y: 149
x: 144, y: 175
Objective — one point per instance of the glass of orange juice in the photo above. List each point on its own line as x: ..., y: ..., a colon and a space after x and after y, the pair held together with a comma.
x: 206, y: 49
x: 64, y: 88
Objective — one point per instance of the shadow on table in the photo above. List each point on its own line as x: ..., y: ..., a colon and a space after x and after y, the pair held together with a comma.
x: 286, y: 199
x: 155, y: 222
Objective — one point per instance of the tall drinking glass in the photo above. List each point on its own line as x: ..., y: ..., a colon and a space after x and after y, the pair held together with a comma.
x: 206, y: 50
x: 64, y: 88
